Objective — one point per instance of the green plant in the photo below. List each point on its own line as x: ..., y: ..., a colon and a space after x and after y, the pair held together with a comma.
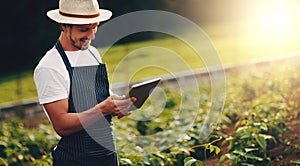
x: 190, y: 161
x: 260, y: 118
x: 264, y: 107
x: 297, y: 161
x: 249, y: 146
x: 19, y: 144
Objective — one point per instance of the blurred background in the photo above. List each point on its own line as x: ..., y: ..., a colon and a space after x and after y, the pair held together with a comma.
x: 239, y: 30
x: 250, y: 28
x: 262, y: 104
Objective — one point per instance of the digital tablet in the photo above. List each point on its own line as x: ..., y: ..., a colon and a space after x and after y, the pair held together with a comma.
x: 141, y: 91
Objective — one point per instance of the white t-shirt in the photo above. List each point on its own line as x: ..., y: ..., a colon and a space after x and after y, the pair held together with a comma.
x: 51, y: 76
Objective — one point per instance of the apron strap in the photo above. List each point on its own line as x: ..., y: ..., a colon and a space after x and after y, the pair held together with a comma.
x: 63, y: 56
x: 94, y: 56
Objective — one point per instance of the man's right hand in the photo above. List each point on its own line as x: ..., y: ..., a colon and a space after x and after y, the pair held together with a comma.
x: 116, y: 106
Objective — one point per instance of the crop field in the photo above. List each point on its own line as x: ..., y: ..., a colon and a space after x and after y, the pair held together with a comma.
x: 258, y: 125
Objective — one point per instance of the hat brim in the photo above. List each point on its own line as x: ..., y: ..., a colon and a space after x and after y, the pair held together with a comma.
x: 56, y: 16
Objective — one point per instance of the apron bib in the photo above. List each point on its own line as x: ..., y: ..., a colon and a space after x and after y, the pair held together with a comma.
x: 94, y: 145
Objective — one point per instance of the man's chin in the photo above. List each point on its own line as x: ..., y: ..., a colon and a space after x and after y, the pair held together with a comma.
x: 85, y: 47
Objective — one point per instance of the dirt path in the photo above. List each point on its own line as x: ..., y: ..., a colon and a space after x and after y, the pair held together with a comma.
x: 289, y: 151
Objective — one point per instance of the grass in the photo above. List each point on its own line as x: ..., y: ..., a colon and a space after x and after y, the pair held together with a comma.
x: 140, y: 60
x: 136, y: 61
x: 17, y: 87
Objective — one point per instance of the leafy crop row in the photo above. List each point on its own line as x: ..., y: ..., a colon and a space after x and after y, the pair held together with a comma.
x: 258, y: 104
x: 265, y: 102
x: 20, y: 145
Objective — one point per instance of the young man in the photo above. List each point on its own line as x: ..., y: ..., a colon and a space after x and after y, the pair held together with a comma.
x: 73, y: 88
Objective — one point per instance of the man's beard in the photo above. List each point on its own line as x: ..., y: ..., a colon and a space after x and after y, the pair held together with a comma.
x: 83, y: 47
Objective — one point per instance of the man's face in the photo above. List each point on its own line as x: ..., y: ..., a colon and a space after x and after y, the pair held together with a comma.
x: 81, y: 35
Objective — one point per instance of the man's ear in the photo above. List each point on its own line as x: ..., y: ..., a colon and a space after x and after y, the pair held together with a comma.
x: 61, y: 26
x: 64, y: 26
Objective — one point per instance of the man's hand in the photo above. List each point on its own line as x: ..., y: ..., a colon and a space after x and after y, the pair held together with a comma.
x: 116, y: 106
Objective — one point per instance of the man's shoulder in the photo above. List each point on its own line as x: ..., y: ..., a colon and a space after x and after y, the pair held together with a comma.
x: 51, y: 60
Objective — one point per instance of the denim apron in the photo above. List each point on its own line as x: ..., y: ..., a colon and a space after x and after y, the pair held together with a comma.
x: 93, y: 145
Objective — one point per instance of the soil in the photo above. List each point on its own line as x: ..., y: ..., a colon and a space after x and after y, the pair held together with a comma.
x: 283, y: 154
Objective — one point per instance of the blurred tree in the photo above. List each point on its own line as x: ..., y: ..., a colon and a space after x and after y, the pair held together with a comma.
x: 27, y: 33
x: 120, y: 7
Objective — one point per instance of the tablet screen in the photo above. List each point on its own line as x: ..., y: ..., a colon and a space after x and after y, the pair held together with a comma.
x: 141, y: 91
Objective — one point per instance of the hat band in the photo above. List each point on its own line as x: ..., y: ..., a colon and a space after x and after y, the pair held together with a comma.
x: 78, y: 15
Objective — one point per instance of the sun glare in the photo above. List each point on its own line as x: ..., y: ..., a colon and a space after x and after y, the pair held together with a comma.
x: 269, y: 28
x: 275, y: 26
x: 276, y: 20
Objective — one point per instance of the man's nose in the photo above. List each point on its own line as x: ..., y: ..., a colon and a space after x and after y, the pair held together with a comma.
x: 91, y: 36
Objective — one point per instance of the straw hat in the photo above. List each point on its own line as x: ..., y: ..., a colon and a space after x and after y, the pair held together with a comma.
x: 79, y: 12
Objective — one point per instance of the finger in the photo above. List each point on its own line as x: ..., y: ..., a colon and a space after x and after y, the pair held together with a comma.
x: 121, y: 107
x: 117, y: 97
x: 124, y: 102
x: 124, y: 111
x: 122, y: 115
x: 133, y: 99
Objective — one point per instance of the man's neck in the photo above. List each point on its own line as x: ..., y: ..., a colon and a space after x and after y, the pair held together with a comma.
x: 65, y: 43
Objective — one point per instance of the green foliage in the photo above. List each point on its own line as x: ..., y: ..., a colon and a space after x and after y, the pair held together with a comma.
x: 258, y: 110
x: 297, y: 161
x: 190, y: 161
x: 264, y: 109
x: 169, y: 138
x: 19, y: 144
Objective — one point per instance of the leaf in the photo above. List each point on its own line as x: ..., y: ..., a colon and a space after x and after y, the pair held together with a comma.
x: 239, y: 152
x: 154, y: 162
x: 297, y: 161
x: 186, y: 151
x: 246, y: 136
x: 246, y: 164
x: 261, y: 142
x: 232, y: 157
x: 189, y: 161
x: 159, y: 155
x: 251, y: 156
x: 211, y: 148
x: 214, y: 148
x: 125, y: 160
x: 3, y: 162
x: 3, y: 143
x: 268, y: 137
x: 241, y: 129
x: 264, y: 126
x: 222, y: 159
x: 250, y: 149
x: 217, y: 150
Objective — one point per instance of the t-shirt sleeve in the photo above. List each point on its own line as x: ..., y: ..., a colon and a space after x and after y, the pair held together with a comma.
x: 50, y: 84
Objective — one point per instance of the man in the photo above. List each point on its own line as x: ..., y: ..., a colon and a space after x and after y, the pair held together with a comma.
x: 73, y: 88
